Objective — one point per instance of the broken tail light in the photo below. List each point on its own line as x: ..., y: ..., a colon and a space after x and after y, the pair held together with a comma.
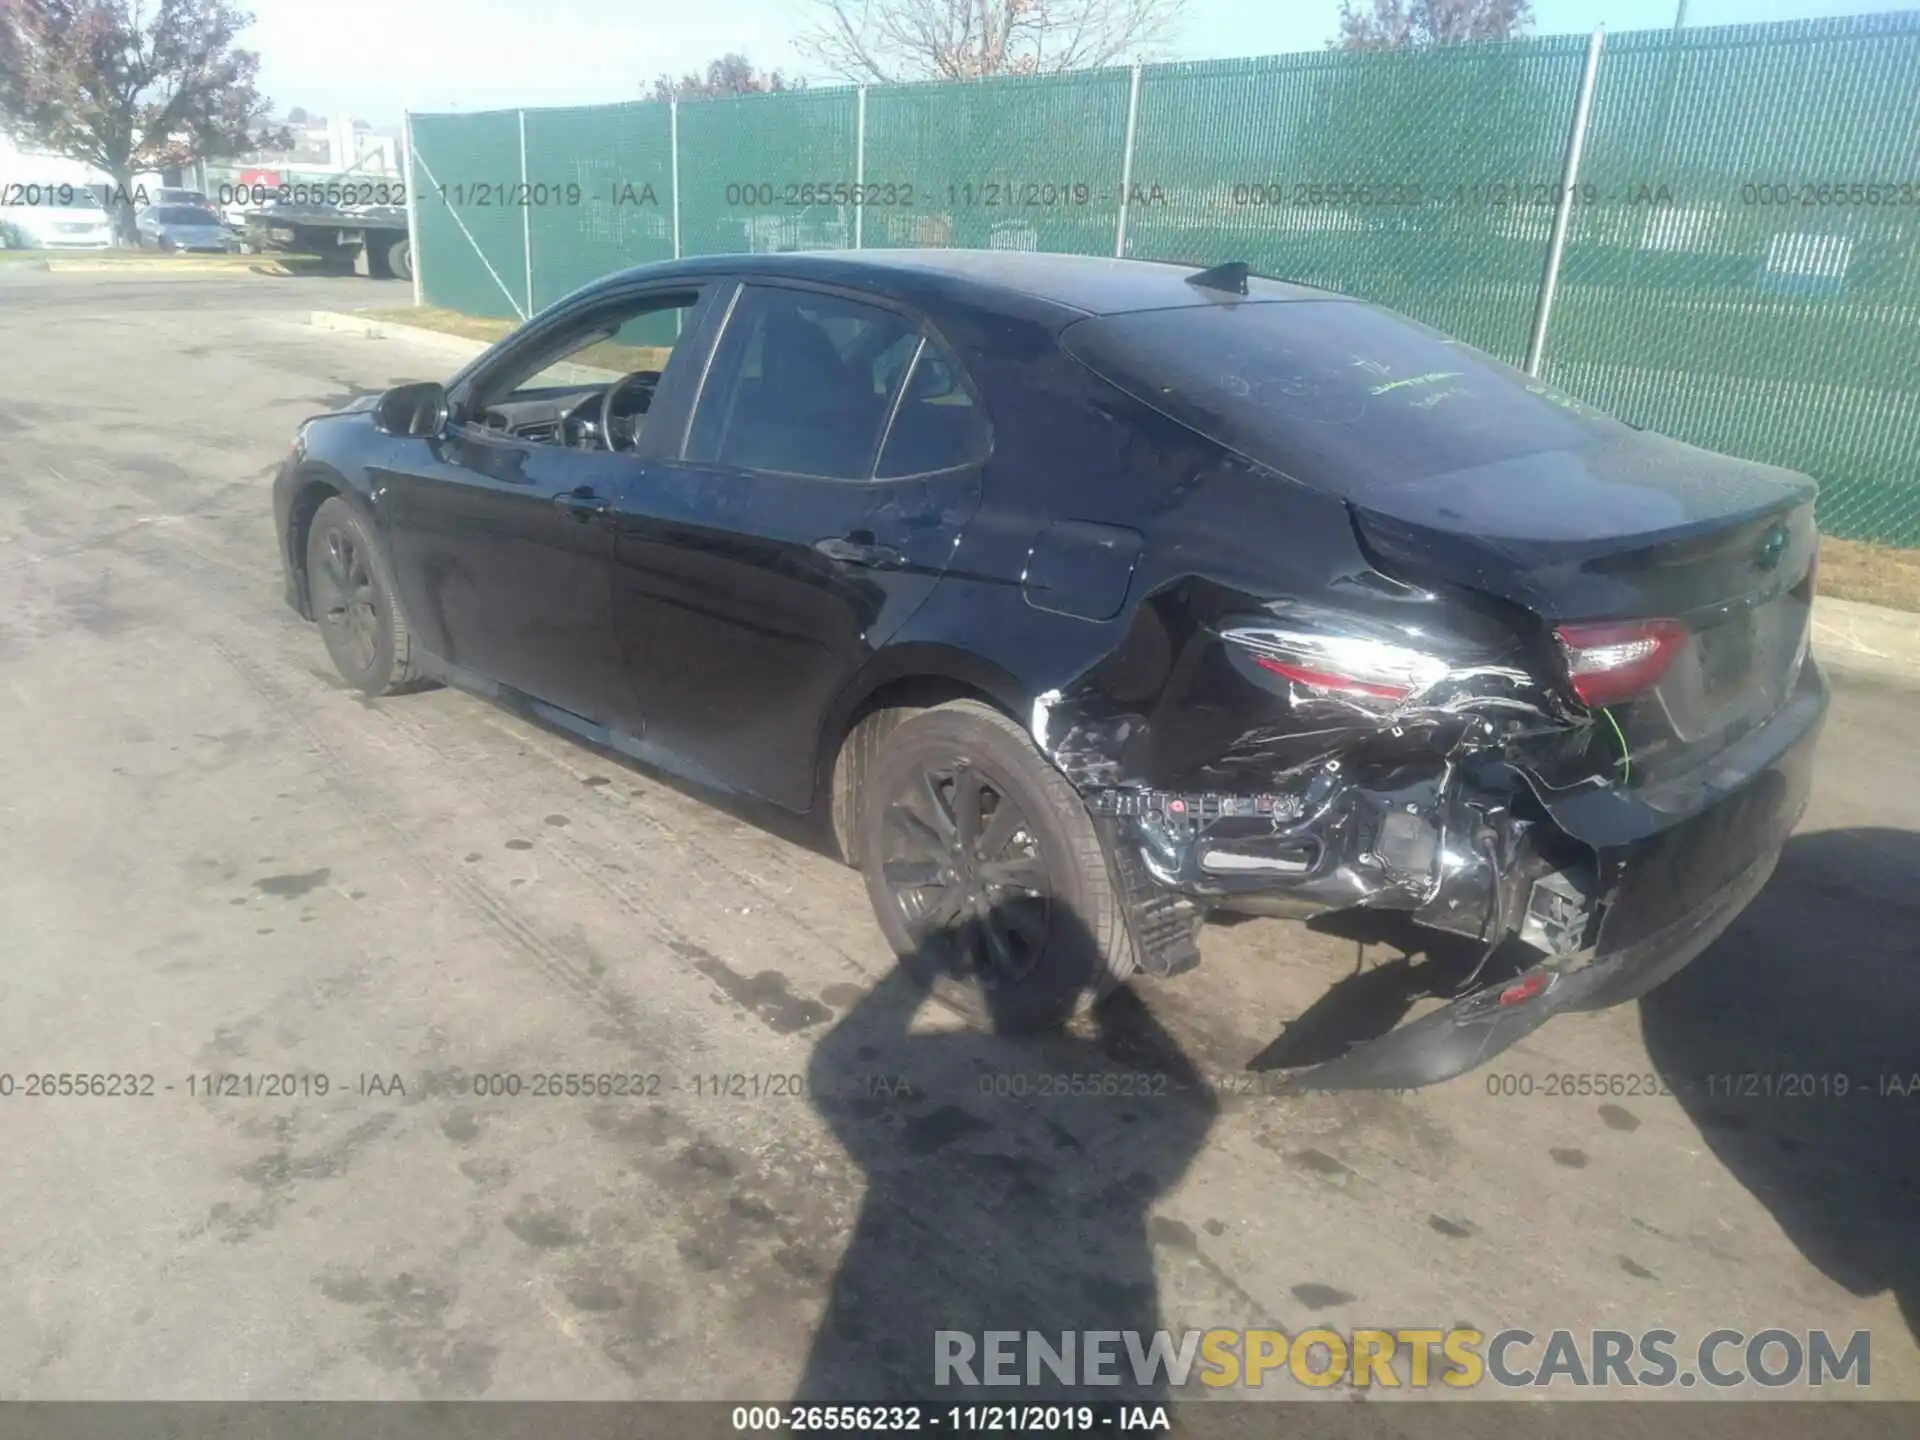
x: 1355, y: 666
x: 1611, y: 662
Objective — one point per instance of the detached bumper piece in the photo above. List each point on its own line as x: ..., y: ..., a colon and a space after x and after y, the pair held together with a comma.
x: 1452, y: 1040
x: 1164, y: 922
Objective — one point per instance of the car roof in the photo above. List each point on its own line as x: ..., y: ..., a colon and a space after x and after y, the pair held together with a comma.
x: 1086, y: 284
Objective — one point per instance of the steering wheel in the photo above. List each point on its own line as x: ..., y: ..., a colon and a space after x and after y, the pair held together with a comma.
x: 608, y: 435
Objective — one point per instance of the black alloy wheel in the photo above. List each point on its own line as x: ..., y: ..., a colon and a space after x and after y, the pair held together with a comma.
x: 353, y: 597
x: 967, y: 874
x: 343, y: 600
x: 984, y: 868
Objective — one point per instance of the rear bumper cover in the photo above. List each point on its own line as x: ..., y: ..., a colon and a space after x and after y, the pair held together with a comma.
x: 1675, y: 881
x: 1470, y: 1031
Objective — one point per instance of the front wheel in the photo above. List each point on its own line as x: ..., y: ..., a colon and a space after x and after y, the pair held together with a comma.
x: 986, y: 872
x: 355, y: 601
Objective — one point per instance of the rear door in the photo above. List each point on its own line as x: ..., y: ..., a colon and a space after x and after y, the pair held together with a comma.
x: 831, y: 460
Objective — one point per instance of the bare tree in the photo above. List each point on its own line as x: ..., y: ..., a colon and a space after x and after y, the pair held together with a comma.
x: 1399, y: 24
x: 729, y: 75
x: 129, y: 85
x: 892, y: 40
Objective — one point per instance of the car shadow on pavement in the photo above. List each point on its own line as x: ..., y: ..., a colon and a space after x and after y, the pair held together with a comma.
x: 1009, y: 1187
x: 1794, y: 1044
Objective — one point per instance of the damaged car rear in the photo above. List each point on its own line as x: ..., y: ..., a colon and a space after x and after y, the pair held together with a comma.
x: 1432, y: 637
x: 1088, y: 596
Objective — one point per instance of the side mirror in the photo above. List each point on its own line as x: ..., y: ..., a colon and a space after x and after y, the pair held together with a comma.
x: 419, y: 409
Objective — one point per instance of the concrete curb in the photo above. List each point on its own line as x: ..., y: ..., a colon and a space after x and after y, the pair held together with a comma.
x: 1848, y: 632
x: 1867, y: 637
x: 457, y: 346
x: 345, y: 323
x: 164, y: 267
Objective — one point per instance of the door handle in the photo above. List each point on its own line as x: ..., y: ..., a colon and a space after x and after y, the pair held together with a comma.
x: 859, y: 549
x: 582, y: 503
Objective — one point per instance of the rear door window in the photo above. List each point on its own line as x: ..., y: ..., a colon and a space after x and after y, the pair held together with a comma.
x: 1334, y: 392
x: 801, y: 383
x: 937, y: 425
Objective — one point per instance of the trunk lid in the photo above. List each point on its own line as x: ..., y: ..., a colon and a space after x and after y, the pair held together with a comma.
x: 1637, y: 527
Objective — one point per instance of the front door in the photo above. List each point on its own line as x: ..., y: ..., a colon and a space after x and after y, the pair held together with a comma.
x: 503, y: 561
x: 832, y: 459
x: 501, y: 530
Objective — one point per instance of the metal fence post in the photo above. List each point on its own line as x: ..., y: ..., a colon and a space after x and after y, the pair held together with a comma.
x: 673, y: 137
x: 413, y: 208
x: 1126, y: 165
x: 1569, y: 176
x: 526, y: 213
x: 859, y: 166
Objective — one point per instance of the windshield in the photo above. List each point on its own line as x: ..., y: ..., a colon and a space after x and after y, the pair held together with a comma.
x: 186, y: 215
x: 1333, y: 391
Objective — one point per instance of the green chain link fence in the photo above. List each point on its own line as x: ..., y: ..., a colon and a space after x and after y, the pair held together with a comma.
x: 1741, y: 258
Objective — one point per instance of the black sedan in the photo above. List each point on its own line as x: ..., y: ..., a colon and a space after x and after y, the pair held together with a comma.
x: 1087, y: 596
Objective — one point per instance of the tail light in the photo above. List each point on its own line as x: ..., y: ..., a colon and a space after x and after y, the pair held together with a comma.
x: 1612, y: 662
x: 1353, y: 666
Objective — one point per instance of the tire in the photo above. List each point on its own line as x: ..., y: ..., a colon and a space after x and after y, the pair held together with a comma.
x: 1017, y: 961
x: 400, y: 259
x: 850, y: 771
x: 356, y: 603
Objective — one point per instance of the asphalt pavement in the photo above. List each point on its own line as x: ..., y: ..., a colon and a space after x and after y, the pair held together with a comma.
x: 215, y: 861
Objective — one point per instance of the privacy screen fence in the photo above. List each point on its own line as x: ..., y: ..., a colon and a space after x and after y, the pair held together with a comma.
x: 1738, y: 257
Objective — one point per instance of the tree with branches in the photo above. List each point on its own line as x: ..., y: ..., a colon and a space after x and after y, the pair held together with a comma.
x: 1404, y: 24
x: 130, y: 85
x: 729, y: 75
x: 885, y: 41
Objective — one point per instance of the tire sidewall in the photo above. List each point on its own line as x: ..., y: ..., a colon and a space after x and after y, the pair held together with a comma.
x: 1065, y: 976
x: 337, y: 516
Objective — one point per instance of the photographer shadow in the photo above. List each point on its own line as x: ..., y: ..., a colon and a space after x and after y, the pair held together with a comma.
x: 1793, y: 1042
x: 1010, y: 1184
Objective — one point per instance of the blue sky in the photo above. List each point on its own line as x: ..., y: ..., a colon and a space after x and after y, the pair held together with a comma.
x: 378, y: 58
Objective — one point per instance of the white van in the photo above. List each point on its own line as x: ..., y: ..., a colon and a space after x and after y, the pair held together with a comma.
x: 56, y: 215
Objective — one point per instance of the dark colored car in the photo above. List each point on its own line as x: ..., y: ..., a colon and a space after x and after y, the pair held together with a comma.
x: 1086, y: 596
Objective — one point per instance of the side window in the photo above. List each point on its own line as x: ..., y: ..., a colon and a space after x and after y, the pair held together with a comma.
x: 639, y: 335
x: 938, y: 427
x: 801, y: 384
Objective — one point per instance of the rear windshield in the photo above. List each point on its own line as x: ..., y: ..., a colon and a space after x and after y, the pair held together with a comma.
x: 187, y: 215
x: 1333, y: 392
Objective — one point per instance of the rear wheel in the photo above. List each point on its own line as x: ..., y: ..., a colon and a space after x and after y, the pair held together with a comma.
x: 354, y: 599
x: 986, y: 873
x: 400, y: 259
